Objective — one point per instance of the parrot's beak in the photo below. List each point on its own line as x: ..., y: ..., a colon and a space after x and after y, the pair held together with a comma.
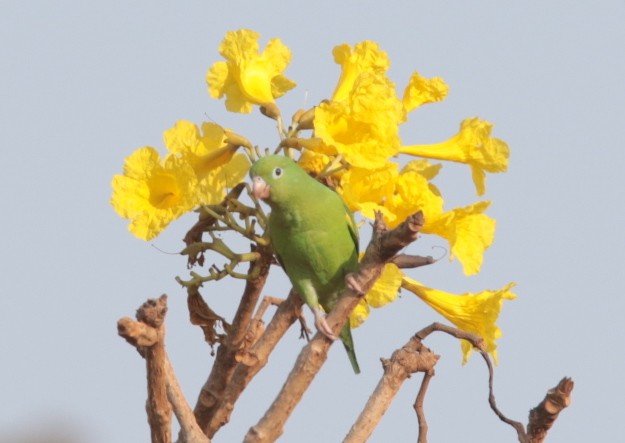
x: 260, y: 188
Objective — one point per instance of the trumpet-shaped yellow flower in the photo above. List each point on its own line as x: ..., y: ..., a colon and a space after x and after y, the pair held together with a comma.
x: 152, y: 193
x: 469, y: 232
x: 364, y: 128
x: 248, y: 77
x: 366, y: 57
x: 421, y: 90
x: 384, y: 291
x: 203, y: 151
x: 210, y: 155
x: 474, y: 146
x: 360, y: 187
x: 414, y: 192
x: 475, y: 313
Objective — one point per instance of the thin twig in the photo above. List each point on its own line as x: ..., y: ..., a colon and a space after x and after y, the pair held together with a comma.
x: 418, y: 406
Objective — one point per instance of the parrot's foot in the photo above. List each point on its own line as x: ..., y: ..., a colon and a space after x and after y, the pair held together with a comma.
x: 322, y: 325
x: 352, y: 283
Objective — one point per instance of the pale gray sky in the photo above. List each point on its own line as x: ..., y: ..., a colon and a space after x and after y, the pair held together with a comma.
x: 83, y: 84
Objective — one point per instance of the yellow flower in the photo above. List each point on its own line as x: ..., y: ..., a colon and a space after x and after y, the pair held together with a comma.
x: 359, y: 314
x: 475, y: 313
x: 212, y: 188
x: 414, y: 192
x: 152, y: 193
x: 210, y: 155
x: 203, y: 151
x: 398, y: 195
x: 361, y: 186
x: 421, y: 90
x: 384, y: 291
x: 248, y: 77
x: 468, y: 231
x: 361, y: 122
x: 313, y: 162
x: 386, y: 287
x: 474, y: 146
x: 364, y: 128
x: 367, y: 57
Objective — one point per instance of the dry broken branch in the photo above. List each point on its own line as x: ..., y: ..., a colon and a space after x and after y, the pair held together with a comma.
x: 545, y: 414
x: 147, y: 334
x: 412, y: 357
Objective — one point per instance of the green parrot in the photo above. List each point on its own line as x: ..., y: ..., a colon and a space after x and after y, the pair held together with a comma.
x: 313, y: 235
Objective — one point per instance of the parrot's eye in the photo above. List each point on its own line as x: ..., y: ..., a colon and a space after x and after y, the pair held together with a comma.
x: 277, y: 173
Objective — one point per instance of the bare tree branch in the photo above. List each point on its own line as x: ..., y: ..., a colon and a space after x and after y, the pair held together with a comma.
x: 226, y: 360
x: 288, y: 311
x: 412, y: 357
x: 147, y: 335
x: 545, y: 414
x: 190, y: 432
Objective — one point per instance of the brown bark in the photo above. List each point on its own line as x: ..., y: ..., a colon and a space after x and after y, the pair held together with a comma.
x: 226, y: 360
x: 412, y: 357
x: 147, y: 334
x: 542, y: 417
x: 257, y: 357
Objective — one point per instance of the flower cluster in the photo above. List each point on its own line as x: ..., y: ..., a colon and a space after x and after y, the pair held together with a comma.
x: 200, y: 166
x: 354, y: 146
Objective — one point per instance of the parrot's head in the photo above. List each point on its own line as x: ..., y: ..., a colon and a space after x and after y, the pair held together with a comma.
x: 274, y: 178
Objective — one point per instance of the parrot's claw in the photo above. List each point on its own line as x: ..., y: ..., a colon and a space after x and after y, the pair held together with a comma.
x: 322, y: 325
x: 352, y: 283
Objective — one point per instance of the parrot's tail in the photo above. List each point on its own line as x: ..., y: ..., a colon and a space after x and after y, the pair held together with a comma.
x: 348, y: 342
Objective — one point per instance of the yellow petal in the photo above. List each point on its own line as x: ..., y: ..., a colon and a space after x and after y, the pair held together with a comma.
x: 364, y: 128
x: 360, y: 185
x: 313, y: 162
x: 421, y: 91
x: 413, y: 192
x: 359, y: 314
x: 205, y: 152
x: 183, y: 137
x: 152, y: 193
x: 366, y: 57
x: 475, y: 313
x: 468, y: 231
x: 248, y: 77
x: 386, y: 288
x: 473, y: 145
